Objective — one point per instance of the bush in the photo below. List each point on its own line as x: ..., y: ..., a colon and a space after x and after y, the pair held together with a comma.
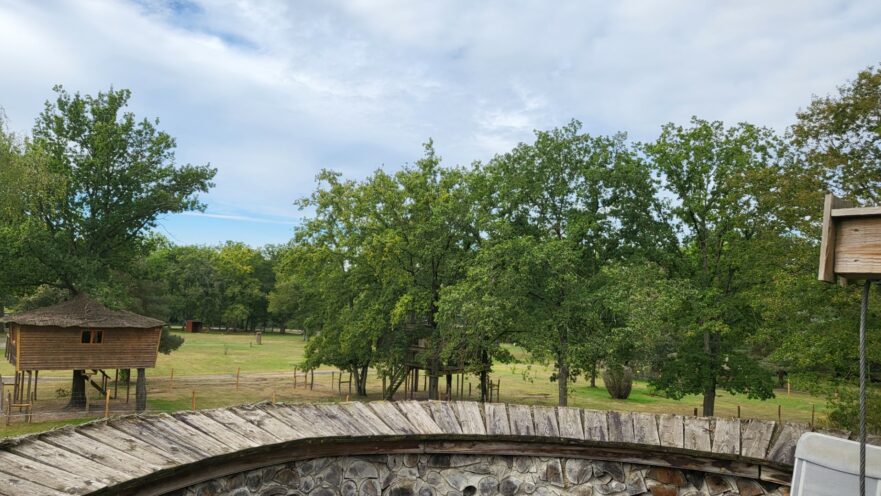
x: 619, y: 381
x: 844, y: 409
x: 62, y: 393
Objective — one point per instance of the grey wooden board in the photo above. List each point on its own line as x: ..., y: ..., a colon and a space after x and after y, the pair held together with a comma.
x: 338, y: 416
x: 497, y: 419
x: 187, y: 434
x: 392, y: 417
x: 620, y: 427
x: 445, y: 417
x: 571, y: 425
x: 13, y: 485
x: 99, y: 452
x: 330, y: 420
x: 596, y: 425
x: 470, y: 418
x: 147, y: 433
x: 291, y: 417
x: 756, y: 437
x: 697, y: 433
x: 218, y: 431
x: 267, y: 423
x: 418, y: 417
x: 68, y: 461
x: 362, y: 411
x: 46, y: 475
x: 136, y: 447
x: 645, y: 429
x: 726, y: 436
x: 233, y: 422
x: 521, y: 420
x: 545, y: 420
x: 671, y: 430
x: 783, y: 450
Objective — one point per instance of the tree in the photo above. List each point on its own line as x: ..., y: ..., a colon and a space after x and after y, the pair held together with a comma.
x: 840, y: 136
x: 724, y: 187
x: 107, y: 179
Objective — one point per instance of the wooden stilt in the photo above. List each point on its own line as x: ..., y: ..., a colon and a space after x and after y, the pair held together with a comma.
x: 312, y: 379
x: 36, y: 376
x: 115, y: 383
x: 128, y: 383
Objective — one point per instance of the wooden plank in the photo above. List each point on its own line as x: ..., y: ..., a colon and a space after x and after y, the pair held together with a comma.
x: 147, y: 433
x: 183, y: 432
x: 596, y: 425
x: 497, y: 419
x: 445, y: 417
x: 68, y: 461
x: 136, y: 447
x: 470, y: 418
x: 215, y: 429
x: 545, y: 419
x: 332, y: 422
x: 14, y: 485
x: 726, y: 436
x: 290, y: 415
x: 827, y: 243
x: 343, y: 420
x: 571, y: 424
x: 783, y: 449
x: 671, y: 430
x: 756, y: 438
x: 47, y: 475
x: 99, y: 452
x: 855, y: 211
x: 645, y: 429
x: 858, y: 247
x: 697, y: 433
x: 392, y: 417
x: 364, y: 412
x: 521, y: 420
x: 620, y: 427
x: 418, y: 417
x: 267, y: 423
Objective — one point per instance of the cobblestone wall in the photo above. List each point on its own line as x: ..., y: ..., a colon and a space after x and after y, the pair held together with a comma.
x: 474, y: 475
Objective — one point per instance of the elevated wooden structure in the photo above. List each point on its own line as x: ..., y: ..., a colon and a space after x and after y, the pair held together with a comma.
x: 79, y: 334
x: 160, y: 454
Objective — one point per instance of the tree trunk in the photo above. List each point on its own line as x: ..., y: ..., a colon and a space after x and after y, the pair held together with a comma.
x: 141, y: 392
x: 484, y: 386
x: 593, y: 374
x: 449, y: 394
x: 77, y: 391
x: 710, y: 381
x: 563, y: 381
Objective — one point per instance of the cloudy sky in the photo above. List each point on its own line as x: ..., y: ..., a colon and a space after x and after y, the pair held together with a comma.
x: 270, y: 92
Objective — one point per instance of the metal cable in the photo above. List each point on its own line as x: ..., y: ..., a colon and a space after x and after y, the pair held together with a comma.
x: 863, y: 308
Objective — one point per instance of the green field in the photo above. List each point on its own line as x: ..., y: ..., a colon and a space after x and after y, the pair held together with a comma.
x: 207, y: 364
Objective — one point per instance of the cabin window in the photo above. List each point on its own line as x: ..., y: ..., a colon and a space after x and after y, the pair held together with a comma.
x: 92, y: 337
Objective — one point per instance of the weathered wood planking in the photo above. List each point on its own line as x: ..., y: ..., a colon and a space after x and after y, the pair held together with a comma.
x: 697, y: 433
x: 128, y: 447
x: 596, y: 425
x: 756, y: 437
x: 521, y: 420
x: 726, y: 436
x: 545, y: 419
x: 783, y: 450
x: 470, y: 418
x: 620, y: 427
x: 671, y: 430
x: 645, y: 429
x: 497, y: 419
x: 571, y: 425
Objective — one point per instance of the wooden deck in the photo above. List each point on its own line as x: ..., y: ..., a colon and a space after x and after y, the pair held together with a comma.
x: 156, y: 454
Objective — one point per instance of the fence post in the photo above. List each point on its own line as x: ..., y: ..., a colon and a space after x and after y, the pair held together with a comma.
x: 779, y: 414
x: 312, y: 379
x: 107, y: 403
x: 738, y: 411
x: 813, y: 411
x: 238, y: 370
x: 171, y: 380
x: 194, y: 399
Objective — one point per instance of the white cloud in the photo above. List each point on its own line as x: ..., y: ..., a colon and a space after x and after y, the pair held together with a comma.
x: 272, y: 91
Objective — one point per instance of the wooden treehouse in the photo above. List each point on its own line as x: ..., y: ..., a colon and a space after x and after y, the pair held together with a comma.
x: 85, y: 337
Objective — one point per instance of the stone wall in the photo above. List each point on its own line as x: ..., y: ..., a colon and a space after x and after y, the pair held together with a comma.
x: 474, y: 475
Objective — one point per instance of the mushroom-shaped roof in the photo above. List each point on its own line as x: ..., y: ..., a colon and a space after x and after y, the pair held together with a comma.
x: 82, y: 311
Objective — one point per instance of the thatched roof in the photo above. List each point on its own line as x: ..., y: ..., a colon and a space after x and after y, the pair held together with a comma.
x: 82, y: 311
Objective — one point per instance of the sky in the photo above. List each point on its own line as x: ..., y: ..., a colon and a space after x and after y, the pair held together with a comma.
x: 271, y: 92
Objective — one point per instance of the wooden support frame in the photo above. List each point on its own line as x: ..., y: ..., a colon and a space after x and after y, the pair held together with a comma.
x: 850, y: 248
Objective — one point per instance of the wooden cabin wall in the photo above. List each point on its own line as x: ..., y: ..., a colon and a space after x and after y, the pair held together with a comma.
x: 48, y: 348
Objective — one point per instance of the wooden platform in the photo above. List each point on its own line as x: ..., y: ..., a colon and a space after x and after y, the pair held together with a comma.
x: 160, y: 453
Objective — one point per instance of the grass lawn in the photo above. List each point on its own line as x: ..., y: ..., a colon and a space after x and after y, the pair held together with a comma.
x: 206, y: 364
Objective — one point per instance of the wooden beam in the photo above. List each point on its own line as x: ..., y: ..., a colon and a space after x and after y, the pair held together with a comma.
x: 827, y: 244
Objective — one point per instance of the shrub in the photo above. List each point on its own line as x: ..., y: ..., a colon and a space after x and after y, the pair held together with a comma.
x: 619, y: 381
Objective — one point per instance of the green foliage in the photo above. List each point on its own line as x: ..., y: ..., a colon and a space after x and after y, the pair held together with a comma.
x: 169, y: 342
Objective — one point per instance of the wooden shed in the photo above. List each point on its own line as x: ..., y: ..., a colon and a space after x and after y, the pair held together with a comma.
x: 80, y: 335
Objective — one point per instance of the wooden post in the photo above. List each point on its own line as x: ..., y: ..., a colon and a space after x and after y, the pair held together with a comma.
x: 332, y: 378
x: 469, y: 390
x: 238, y: 370
x: 140, y: 391
x: 107, y: 403
x: 788, y: 388
x: 695, y: 411
x: 8, y: 407
x: 36, y: 377
x: 738, y: 411
x: 116, y: 384
x: 194, y: 400
x: 780, y: 414
x: 128, y: 383
x: 171, y: 380
x: 273, y: 396
x: 295, y: 378
x: 415, y: 379
x: 813, y: 412
x: 312, y: 380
